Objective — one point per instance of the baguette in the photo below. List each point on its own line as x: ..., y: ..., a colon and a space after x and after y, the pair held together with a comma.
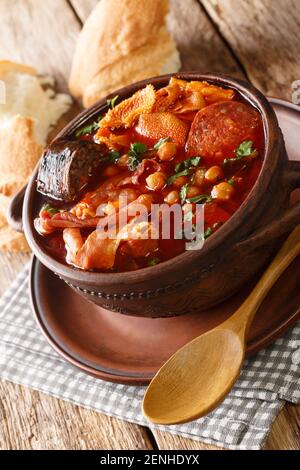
x: 122, y: 41
x: 27, y: 114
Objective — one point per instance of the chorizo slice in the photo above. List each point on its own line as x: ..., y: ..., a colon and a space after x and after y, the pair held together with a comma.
x: 219, y: 129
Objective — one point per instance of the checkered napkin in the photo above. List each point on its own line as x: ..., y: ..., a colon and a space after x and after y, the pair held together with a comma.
x: 242, y: 421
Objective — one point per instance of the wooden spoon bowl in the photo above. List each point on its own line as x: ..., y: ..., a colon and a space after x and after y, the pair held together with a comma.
x: 211, y: 369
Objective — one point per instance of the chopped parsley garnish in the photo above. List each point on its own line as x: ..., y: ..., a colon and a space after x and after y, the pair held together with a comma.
x: 190, y: 162
x: 161, y: 142
x: 245, y: 149
x: 201, y: 198
x: 208, y: 232
x: 112, y: 102
x: 153, y: 261
x: 114, y: 155
x: 51, y: 210
x: 230, y: 181
x: 172, y: 178
x: 183, y: 192
x: 111, y: 157
x: 135, y: 154
x: 89, y: 129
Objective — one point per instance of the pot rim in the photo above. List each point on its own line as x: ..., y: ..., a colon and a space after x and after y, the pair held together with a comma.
x: 247, y: 208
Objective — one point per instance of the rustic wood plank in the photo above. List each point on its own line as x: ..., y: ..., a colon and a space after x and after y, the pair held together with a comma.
x: 32, y: 420
x: 265, y: 36
x: 200, y: 47
x: 83, y: 7
x: 285, y: 432
x: 41, y: 34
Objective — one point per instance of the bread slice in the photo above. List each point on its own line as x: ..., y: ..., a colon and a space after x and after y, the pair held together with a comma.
x: 27, y: 95
x: 121, y: 42
x: 28, y: 111
x: 19, y: 153
x: 9, y: 239
x: 6, y: 66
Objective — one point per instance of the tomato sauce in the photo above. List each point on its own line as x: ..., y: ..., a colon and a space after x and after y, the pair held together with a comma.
x: 212, y: 156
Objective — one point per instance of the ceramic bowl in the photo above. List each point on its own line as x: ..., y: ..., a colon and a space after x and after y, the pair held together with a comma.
x: 230, y: 258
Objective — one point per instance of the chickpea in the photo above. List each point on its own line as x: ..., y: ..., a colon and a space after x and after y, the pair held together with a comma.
x: 199, y: 176
x: 123, y: 161
x: 214, y: 174
x: 193, y: 191
x: 146, y: 200
x: 111, y: 170
x: 167, y: 151
x: 172, y: 198
x: 180, y: 181
x: 156, y: 181
x: 223, y: 191
x: 127, y: 195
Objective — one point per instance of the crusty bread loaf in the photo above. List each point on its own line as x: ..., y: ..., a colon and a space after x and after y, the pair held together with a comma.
x: 26, y: 117
x: 10, y: 240
x: 122, y: 41
x: 19, y: 153
x: 7, y: 66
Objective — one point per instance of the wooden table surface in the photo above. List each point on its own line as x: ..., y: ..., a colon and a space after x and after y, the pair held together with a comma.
x: 258, y: 40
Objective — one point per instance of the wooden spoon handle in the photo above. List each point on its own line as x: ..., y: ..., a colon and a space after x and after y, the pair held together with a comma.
x: 243, y: 317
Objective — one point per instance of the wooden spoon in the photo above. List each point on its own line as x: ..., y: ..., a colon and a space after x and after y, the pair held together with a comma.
x: 200, y: 374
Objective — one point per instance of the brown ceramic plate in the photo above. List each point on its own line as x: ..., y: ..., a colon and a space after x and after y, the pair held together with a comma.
x: 130, y: 350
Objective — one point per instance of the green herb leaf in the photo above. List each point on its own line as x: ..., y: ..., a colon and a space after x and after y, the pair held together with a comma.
x: 172, y: 178
x: 138, y: 148
x: 114, y: 156
x: 245, y: 149
x: 194, y: 161
x: 202, y: 198
x: 110, y: 157
x: 51, y: 210
x: 153, y: 261
x: 183, y: 192
x: 135, y: 154
x: 190, y: 162
x: 161, y: 142
x: 208, y: 232
x: 89, y: 129
x: 112, y: 101
x: 231, y: 181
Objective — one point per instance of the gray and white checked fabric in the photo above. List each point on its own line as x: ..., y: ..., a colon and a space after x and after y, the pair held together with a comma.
x: 242, y: 421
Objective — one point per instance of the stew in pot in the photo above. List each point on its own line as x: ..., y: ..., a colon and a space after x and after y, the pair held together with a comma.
x: 190, y: 144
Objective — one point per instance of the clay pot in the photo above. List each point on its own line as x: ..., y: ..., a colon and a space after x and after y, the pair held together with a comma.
x: 229, y: 259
